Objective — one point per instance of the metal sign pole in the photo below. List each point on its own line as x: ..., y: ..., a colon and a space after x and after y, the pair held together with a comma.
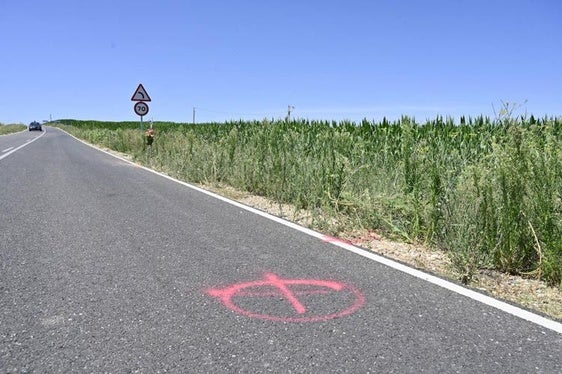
x: 142, y: 127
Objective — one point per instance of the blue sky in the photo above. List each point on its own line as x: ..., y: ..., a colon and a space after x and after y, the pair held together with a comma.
x: 248, y: 59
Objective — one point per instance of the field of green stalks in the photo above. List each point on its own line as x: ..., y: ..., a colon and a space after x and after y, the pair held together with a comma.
x: 489, y: 193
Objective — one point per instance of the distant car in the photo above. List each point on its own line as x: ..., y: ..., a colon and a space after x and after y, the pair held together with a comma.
x: 35, y: 126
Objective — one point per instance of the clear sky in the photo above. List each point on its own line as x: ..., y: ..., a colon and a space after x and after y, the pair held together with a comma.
x: 251, y: 59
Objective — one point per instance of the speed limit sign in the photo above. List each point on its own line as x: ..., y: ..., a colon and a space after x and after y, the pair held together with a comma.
x: 141, y: 108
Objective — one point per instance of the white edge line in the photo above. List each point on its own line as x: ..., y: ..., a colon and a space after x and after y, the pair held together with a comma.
x: 484, y: 299
x: 27, y: 142
x: 7, y: 149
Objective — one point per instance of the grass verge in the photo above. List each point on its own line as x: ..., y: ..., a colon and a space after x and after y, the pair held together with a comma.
x: 10, y: 129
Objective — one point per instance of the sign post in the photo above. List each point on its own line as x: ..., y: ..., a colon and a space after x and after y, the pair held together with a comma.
x: 141, y: 107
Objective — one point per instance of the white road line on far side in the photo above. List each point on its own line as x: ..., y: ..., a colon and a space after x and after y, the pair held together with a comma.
x: 456, y: 288
x: 8, y: 149
x: 28, y: 142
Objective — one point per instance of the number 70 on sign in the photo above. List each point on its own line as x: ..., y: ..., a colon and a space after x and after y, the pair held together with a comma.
x: 141, y: 108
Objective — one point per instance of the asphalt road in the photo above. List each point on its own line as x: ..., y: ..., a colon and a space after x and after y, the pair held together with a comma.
x: 106, y: 267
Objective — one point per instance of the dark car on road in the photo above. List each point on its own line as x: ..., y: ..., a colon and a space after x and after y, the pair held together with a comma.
x: 35, y: 126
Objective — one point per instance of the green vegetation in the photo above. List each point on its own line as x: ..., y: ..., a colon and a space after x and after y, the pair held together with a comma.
x: 489, y: 193
x: 9, y: 129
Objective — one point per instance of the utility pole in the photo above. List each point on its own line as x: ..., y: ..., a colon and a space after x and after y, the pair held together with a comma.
x: 194, y: 115
x: 289, y: 112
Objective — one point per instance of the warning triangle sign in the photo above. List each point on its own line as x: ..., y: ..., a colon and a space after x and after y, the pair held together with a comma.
x: 140, y: 94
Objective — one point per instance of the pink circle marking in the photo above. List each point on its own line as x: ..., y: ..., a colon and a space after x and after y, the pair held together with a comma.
x: 277, y: 286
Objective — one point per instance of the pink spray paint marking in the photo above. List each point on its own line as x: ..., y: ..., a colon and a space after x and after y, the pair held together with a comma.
x: 294, y: 291
x: 331, y: 239
x: 275, y: 281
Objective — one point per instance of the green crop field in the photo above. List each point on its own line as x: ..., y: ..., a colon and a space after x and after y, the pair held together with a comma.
x: 488, y: 193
